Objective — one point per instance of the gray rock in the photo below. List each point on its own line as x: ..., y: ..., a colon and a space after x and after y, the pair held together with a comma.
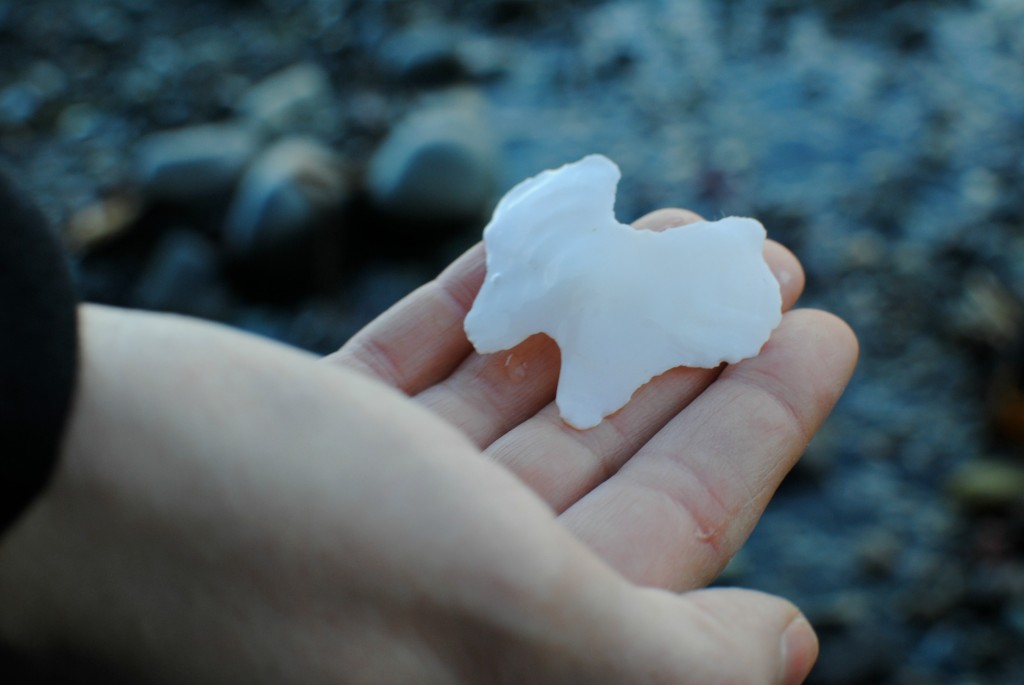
x: 486, y: 58
x: 79, y: 121
x: 439, y: 164
x: 424, y: 55
x: 285, y: 195
x: 18, y: 104
x: 105, y: 23
x: 161, y: 56
x: 299, y: 91
x: 198, y: 162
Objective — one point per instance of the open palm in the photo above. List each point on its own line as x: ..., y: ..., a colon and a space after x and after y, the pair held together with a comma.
x: 668, y: 488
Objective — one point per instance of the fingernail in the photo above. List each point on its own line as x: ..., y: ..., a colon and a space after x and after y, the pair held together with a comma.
x: 799, y: 651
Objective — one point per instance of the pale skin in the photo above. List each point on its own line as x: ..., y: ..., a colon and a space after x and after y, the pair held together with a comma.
x: 227, y: 510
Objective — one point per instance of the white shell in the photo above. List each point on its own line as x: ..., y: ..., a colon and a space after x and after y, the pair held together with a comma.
x: 624, y: 305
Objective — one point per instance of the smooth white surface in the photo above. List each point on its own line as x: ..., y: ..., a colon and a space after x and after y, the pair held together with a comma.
x: 624, y: 305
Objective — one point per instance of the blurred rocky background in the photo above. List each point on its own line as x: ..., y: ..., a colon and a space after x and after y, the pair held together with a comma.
x: 293, y: 167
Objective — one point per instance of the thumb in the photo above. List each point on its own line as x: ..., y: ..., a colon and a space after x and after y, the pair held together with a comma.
x: 724, y: 636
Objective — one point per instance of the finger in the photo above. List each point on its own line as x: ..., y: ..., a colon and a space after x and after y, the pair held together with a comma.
x: 420, y: 340
x: 667, y: 217
x: 754, y: 637
x: 743, y: 636
x: 709, y: 636
x: 562, y: 464
x: 489, y: 395
x: 675, y: 513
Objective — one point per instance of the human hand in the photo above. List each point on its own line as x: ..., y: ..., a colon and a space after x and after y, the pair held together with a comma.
x: 667, y: 489
x: 228, y: 510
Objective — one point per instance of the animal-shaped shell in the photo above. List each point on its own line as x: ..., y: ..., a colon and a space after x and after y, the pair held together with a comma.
x: 623, y: 305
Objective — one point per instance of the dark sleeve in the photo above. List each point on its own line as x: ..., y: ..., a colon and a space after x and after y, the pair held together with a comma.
x: 38, y: 350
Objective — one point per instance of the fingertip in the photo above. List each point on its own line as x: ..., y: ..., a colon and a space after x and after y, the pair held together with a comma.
x: 837, y: 338
x: 464, y: 277
x: 787, y: 271
x: 766, y: 636
x: 669, y: 217
x: 799, y: 648
x: 841, y: 331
